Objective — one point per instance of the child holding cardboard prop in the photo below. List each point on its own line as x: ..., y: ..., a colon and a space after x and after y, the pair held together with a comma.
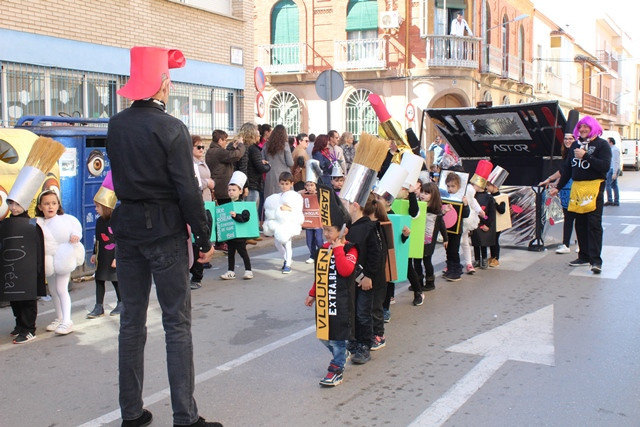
x: 332, y: 289
x: 234, y: 189
x: 24, y: 279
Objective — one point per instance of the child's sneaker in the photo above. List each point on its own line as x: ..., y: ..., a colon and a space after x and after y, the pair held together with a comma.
x: 248, y: 275
x: 24, y: 338
x: 484, y: 264
x: 286, y: 269
x: 64, y: 328
x: 453, y: 277
x: 378, y: 343
x: 53, y: 325
x: 97, y: 311
x: 228, y: 275
x: 15, y: 332
x: 333, y: 378
x: 386, y: 315
x: 470, y: 269
x: 309, y: 261
x: 418, y: 299
x: 563, y: 249
x: 493, y: 262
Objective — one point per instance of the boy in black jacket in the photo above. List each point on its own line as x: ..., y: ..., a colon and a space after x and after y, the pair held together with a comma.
x: 236, y: 183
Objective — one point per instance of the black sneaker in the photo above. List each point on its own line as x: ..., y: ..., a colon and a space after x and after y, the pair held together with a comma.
x: 24, y: 338
x: 142, y: 421
x: 454, y: 277
x: 334, y: 376
x: 15, y: 332
x: 362, y: 356
x: 596, y: 269
x: 578, y: 262
x: 201, y: 423
x: 418, y: 299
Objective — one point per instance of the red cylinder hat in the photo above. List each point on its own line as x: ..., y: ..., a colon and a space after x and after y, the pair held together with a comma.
x: 482, y: 173
x: 148, y: 64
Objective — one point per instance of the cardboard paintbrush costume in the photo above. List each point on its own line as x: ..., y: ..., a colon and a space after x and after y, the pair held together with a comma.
x: 25, y: 275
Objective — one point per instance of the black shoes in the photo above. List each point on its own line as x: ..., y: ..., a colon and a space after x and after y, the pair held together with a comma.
x: 97, y: 311
x: 578, y: 262
x: 202, y: 423
x: 596, y: 269
x: 142, y: 421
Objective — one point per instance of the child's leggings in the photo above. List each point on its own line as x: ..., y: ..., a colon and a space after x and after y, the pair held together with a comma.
x: 59, y: 289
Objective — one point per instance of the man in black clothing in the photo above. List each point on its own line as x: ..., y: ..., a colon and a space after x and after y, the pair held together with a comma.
x: 587, y: 165
x: 153, y: 176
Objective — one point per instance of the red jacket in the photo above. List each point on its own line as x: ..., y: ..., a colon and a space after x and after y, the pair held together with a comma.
x: 345, y: 263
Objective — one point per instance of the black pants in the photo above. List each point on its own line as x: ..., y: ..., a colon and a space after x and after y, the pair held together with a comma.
x: 197, y: 269
x: 589, y: 231
x: 391, y: 292
x: 495, y: 249
x: 239, y: 245
x: 377, y: 315
x: 453, y: 253
x: 567, y: 227
x: 26, y: 313
x: 480, y: 253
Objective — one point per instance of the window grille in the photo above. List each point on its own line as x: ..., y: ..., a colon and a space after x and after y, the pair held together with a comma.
x: 284, y: 109
x: 360, y: 115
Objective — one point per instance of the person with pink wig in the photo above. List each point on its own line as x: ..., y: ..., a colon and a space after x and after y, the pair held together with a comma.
x: 587, y: 165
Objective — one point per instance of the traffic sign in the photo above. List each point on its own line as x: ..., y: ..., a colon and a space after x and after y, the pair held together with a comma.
x: 329, y: 85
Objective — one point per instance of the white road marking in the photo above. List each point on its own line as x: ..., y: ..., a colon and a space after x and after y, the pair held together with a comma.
x: 526, y: 339
x: 629, y: 228
x: 614, y: 260
x: 519, y: 259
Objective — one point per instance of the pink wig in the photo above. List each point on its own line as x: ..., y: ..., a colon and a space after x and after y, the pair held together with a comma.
x: 596, y: 129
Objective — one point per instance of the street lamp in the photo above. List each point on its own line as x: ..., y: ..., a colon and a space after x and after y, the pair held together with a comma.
x: 516, y: 19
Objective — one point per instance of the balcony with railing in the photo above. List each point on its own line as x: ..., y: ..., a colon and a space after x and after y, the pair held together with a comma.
x: 610, y: 108
x: 491, y: 60
x: 608, y: 59
x: 360, y: 54
x: 453, y: 51
x: 591, y: 102
x: 526, y: 72
x: 510, y: 67
x: 283, y: 58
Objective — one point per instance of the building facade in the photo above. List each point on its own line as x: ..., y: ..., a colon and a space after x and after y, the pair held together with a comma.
x: 69, y: 57
x: 400, y: 50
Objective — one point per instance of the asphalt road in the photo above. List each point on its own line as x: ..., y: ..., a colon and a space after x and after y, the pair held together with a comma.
x: 533, y: 342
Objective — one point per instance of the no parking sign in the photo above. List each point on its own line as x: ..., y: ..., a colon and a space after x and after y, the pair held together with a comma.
x: 410, y: 112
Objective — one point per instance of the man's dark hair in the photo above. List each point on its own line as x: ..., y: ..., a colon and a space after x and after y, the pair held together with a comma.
x: 301, y: 136
x: 218, y: 135
x: 612, y: 140
x: 312, y: 137
x: 333, y: 133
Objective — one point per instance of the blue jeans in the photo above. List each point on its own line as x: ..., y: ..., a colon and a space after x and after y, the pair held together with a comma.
x: 612, y: 184
x: 314, y: 241
x: 339, y: 351
x: 166, y: 260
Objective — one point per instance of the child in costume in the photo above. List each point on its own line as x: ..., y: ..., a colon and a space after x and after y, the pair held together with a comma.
x: 104, y: 254
x: 435, y: 224
x: 24, y: 278
x: 453, y: 273
x: 26, y: 311
x: 63, y: 253
x: 470, y: 223
x: 332, y: 291
x: 337, y: 178
x: 236, y: 184
x: 284, y: 218
x: 313, y: 236
x: 485, y: 235
x: 496, y: 179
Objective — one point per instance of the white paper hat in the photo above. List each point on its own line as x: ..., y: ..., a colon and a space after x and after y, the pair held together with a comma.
x: 391, y: 182
x: 313, y: 170
x: 238, y: 178
x: 413, y: 165
x: 336, y: 170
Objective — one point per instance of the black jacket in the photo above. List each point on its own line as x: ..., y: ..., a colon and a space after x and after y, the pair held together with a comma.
x: 364, y: 233
x: 255, y: 168
x: 153, y: 176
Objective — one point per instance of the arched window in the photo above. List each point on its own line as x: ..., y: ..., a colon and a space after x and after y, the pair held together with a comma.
x: 505, y: 46
x: 487, y: 96
x: 284, y: 109
x: 285, y: 36
x: 487, y: 43
x: 360, y: 115
x: 506, y: 100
